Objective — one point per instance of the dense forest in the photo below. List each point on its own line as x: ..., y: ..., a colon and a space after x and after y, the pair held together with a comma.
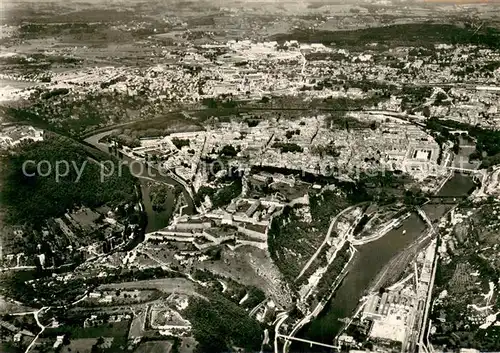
x: 401, y: 34
x: 30, y: 197
x: 219, y: 325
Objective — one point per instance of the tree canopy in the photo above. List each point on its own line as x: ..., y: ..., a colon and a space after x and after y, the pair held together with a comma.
x: 31, y: 197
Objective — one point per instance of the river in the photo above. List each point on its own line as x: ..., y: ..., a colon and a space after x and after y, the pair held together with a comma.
x: 147, y: 175
x: 370, y: 261
x: 156, y: 220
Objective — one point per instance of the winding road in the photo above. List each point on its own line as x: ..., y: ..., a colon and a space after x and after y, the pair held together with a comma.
x: 42, y: 327
x: 327, y: 238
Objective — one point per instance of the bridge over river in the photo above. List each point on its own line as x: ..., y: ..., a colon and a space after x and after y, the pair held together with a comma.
x: 376, y: 256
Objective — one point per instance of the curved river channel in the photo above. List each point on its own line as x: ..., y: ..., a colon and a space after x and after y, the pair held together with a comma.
x: 370, y: 261
x: 146, y: 175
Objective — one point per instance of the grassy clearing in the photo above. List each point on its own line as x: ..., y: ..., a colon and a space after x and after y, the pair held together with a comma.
x: 155, y: 347
x: 166, y: 285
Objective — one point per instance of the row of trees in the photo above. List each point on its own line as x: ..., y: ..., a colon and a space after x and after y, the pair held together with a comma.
x: 334, y: 270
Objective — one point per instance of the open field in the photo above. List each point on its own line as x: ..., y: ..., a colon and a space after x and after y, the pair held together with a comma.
x: 167, y: 285
x: 137, y: 324
x: 8, y: 307
x: 407, y: 34
x: 155, y: 347
x: 82, y: 345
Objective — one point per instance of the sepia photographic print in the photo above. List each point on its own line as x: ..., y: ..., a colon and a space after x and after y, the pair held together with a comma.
x: 249, y: 176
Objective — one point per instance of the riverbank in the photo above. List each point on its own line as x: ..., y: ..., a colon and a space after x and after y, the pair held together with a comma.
x: 141, y: 170
x: 372, y: 258
x: 321, y: 305
x: 383, y: 230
